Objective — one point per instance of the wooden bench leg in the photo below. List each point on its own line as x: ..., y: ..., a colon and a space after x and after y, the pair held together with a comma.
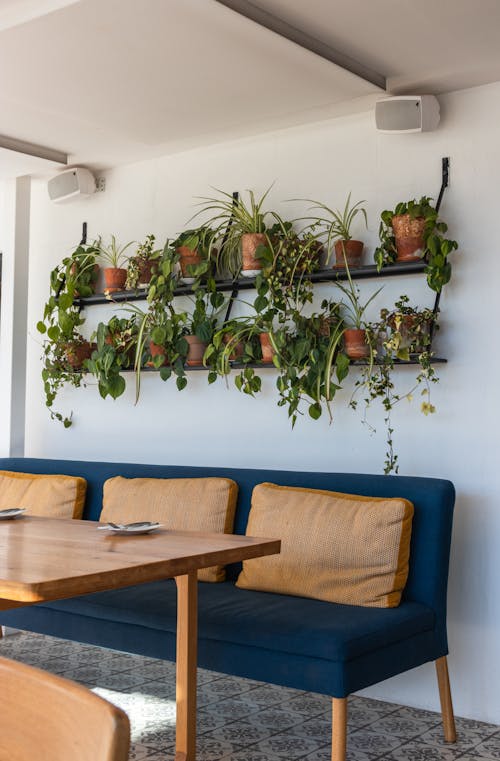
x: 450, y: 734
x: 339, y: 729
x: 187, y: 638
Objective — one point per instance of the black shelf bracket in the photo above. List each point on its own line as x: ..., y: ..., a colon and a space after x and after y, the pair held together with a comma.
x: 445, y: 181
x: 84, y: 234
x: 235, y: 289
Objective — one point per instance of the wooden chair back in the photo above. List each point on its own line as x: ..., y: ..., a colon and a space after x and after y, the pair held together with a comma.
x: 48, y: 717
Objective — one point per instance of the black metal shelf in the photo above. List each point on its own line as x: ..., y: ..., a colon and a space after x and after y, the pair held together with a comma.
x: 270, y: 366
x: 246, y: 284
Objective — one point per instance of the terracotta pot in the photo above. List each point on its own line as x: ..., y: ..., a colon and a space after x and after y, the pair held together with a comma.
x: 238, y: 348
x: 146, y: 272
x: 355, y: 344
x: 77, y: 353
x: 249, y: 245
x: 196, y: 351
x: 188, y: 258
x: 114, y: 279
x: 353, y: 253
x: 156, y: 350
x: 267, y: 348
x: 409, y: 235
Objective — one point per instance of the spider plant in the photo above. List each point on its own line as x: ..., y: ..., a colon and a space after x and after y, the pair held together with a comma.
x: 354, y: 308
x: 335, y: 224
x: 231, y: 217
x: 113, y: 254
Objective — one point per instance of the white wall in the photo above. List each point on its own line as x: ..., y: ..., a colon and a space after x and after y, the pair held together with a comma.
x: 216, y: 426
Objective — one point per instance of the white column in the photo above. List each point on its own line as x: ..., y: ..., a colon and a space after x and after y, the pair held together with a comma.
x: 14, y: 244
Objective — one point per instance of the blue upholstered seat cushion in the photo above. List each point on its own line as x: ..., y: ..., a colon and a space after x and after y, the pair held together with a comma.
x: 259, y: 619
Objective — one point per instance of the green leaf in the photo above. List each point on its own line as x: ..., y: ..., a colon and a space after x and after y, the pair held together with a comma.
x: 65, y: 301
x: 165, y: 373
x: 40, y: 326
x: 315, y: 410
x: 260, y: 303
x: 204, y: 331
x: 181, y: 383
x: 342, y: 366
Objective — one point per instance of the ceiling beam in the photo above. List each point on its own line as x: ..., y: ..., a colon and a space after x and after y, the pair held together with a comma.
x: 289, y: 32
x: 30, y: 149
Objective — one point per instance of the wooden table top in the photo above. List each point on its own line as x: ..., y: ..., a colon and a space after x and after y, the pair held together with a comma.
x: 49, y: 559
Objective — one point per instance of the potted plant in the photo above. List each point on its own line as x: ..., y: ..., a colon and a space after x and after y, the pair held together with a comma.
x: 337, y: 227
x: 199, y: 330
x: 356, y: 336
x: 236, y: 341
x: 413, y: 231
x: 196, y: 252
x: 160, y: 342
x: 83, y: 269
x: 284, y: 286
x: 115, y: 275
x: 114, y: 352
x: 288, y: 254
x: 310, y: 361
x: 241, y: 225
x: 65, y: 350
x: 141, y: 266
x: 402, y: 334
x: 409, y: 328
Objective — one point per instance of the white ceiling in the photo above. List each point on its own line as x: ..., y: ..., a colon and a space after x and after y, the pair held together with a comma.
x: 430, y: 46
x: 112, y: 81
x: 119, y: 80
x: 13, y: 164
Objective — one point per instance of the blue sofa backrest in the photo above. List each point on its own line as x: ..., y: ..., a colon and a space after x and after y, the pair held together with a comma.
x: 433, y: 500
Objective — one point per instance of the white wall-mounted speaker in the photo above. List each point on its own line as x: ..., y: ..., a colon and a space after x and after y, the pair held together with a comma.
x: 72, y: 183
x: 407, y: 113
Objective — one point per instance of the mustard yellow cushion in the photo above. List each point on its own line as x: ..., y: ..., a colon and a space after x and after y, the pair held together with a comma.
x: 181, y: 504
x: 341, y: 548
x: 45, y: 495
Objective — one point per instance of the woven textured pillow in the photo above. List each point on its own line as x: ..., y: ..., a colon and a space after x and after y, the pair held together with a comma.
x: 181, y: 504
x: 45, y: 495
x: 336, y: 547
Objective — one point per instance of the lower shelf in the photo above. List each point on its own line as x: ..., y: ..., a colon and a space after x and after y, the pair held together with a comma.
x: 270, y: 366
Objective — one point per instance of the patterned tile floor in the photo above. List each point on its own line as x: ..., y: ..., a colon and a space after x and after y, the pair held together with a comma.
x: 244, y: 720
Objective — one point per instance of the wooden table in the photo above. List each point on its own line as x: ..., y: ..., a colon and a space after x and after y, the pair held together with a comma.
x: 44, y: 559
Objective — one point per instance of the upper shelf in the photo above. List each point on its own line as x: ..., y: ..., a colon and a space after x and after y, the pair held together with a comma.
x: 245, y: 283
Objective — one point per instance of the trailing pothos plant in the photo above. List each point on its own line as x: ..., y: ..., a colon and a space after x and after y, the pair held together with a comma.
x: 436, y: 247
x: 161, y: 324
x: 114, y: 352
x: 402, y: 334
x: 74, y: 277
x: 310, y: 361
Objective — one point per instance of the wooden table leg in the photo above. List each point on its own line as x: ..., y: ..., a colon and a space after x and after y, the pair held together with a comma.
x: 187, y: 640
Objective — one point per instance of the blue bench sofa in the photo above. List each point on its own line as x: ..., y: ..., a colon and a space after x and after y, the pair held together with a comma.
x: 292, y: 641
